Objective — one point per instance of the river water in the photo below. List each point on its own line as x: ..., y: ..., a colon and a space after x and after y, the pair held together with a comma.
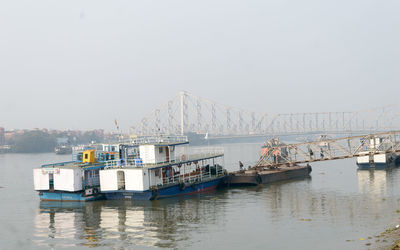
x: 338, y: 207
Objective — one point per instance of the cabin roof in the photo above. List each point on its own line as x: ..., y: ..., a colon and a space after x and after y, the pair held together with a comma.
x: 74, y: 164
x: 190, y: 159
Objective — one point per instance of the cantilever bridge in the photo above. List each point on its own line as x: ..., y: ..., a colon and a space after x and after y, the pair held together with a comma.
x: 187, y: 113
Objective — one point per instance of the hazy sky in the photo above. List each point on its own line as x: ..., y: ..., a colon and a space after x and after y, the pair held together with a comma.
x: 81, y: 64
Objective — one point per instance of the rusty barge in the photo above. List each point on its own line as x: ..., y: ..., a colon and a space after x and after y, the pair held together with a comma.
x: 256, y: 176
x: 262, y: 174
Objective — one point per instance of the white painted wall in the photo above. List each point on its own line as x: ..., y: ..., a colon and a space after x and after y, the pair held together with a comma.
x: 108, y: 180
x: 380, y: 158
x: 151, y: 154
x: 136, y: 179
x: 40, y: 179
x: 363, y: 159
x: 147, y: 153
x: 172, y: 153
x: 68, y: 180
x: 160, y: 157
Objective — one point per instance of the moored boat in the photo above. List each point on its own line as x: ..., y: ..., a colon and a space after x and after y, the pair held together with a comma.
x: 63, y: 149
x: 163, y: 170
x: 378, y: 161
x: 76, y: 180
x: 374, y: 155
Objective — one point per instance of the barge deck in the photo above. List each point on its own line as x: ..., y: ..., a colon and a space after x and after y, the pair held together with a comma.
x: 255, y: 176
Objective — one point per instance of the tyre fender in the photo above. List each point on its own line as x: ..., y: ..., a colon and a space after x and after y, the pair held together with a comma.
x: 258, y: 178
x: 182, y: 186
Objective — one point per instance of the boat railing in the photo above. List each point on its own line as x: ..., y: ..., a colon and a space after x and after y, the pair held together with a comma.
x: 93, y: 181
x: 180, y: 159
x: 114, y: 163
x: 195, y: 176
x: 160, y: 139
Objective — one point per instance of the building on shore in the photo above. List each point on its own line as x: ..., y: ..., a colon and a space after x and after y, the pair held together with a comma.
x: 2, y: 137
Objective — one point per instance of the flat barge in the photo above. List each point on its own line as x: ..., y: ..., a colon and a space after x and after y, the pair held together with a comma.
x: 255, y: 176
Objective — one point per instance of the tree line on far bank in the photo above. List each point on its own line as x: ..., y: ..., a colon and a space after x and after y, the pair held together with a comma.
x: 41, y: 142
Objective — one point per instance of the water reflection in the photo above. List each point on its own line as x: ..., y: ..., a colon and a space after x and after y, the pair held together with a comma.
x: 373, y: 183
x: 122, y: 223
x: 299, y: 208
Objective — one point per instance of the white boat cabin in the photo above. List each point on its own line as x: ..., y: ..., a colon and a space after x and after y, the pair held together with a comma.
x: 78, y: 174
x: 159, y: 164
x: 370, y: 151
x: 58, y: 178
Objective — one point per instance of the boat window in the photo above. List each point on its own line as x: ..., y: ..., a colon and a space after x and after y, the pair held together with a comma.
x: 86, y: 156
x: 160, y: 150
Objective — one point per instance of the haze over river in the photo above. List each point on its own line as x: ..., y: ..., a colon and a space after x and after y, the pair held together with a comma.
x: 333, y: 209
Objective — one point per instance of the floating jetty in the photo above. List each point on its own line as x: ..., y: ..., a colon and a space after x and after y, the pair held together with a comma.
x: 260, y: 174
x: 371, y: 151
x: 281, y: 161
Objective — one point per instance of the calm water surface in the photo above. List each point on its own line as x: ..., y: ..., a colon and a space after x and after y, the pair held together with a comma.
x: 333, y: 209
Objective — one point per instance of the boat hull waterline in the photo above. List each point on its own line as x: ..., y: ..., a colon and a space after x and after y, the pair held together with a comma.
x: 65, y: 196
x: 253, y: 177
x: 165, y: 192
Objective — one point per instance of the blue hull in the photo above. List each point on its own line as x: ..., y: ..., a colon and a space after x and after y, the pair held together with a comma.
x: 166, y: 192
x: 366, y: 166
x: 67, y: 196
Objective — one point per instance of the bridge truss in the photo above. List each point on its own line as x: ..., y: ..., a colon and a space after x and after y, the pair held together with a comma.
x: 187, y: 113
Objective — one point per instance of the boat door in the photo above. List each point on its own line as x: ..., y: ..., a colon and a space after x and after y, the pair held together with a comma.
x: 121, y: 180
x: 167, y: 153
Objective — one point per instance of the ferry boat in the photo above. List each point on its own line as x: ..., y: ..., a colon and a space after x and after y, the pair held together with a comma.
x: 374, y: 156
x: 165, y: 169
x: 63, y: 150
x: 76, y: 180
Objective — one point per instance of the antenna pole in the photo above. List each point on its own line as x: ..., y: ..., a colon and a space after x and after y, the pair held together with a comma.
x: 182, y: 94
